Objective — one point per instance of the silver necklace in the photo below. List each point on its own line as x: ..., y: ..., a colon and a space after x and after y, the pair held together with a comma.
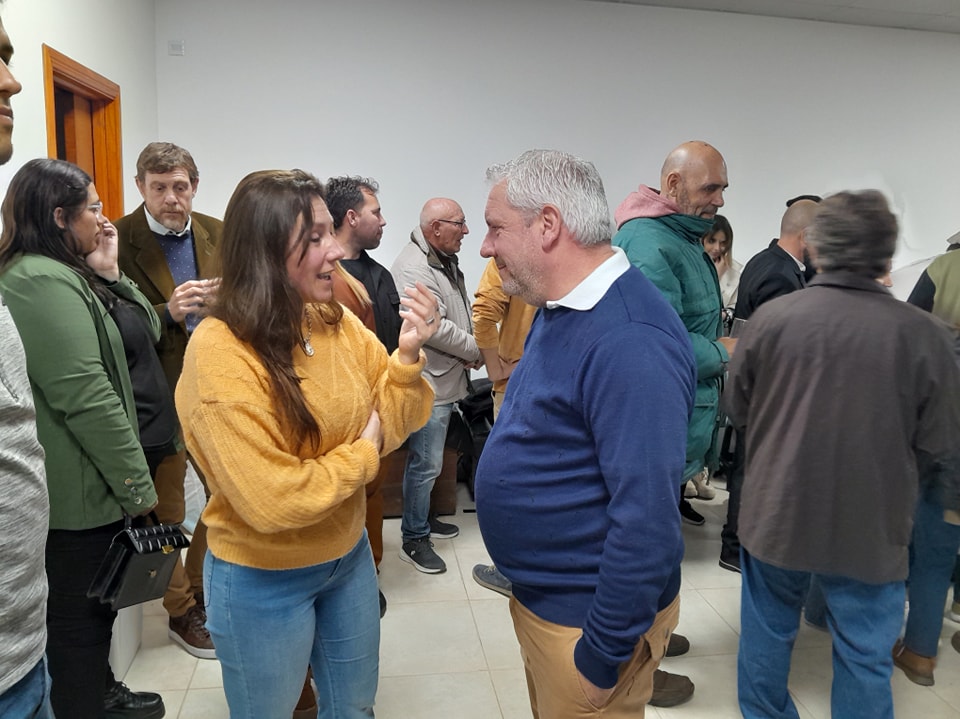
x: 305, y: 341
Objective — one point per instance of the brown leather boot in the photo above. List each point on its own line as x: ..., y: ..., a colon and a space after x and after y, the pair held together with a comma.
x: 918, y: 669
x: 307, y: 704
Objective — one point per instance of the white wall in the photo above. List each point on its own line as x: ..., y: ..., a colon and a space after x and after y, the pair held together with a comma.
x: 424, y: 94
x: 114, y: 38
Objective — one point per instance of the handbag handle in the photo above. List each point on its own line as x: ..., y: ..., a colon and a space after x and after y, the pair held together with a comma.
x: 128, y: 519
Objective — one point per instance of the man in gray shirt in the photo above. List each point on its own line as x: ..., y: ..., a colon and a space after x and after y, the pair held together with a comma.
x: 24, y: 508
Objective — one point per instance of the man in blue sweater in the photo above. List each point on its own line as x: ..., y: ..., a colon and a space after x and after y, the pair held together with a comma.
x: 577, y: 485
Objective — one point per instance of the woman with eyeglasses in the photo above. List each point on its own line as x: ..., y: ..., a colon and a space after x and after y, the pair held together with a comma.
x: 287, y: 403
x: 60, y: 281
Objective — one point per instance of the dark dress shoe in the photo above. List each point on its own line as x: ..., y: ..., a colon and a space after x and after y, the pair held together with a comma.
x: 670, y: 689
x: 121, y: 703
x: 678, y: 645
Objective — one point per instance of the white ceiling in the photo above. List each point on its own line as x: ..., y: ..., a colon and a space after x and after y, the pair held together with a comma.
x: 931, y: 15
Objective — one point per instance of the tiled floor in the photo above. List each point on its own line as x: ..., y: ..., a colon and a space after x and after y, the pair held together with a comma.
x: 448, y: 650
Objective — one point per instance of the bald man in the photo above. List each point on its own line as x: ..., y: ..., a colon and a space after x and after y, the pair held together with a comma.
x: 660, y: 231
x: 779, y: 269
x: 431, y: 258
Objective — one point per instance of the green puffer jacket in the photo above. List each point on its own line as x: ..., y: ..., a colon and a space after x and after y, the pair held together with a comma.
x: 667, y: 250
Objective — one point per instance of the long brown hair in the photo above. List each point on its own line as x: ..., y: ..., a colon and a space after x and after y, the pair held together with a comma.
x: 256, y: 299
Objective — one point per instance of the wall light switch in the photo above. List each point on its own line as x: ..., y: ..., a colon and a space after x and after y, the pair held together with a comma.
x: 175, y: 47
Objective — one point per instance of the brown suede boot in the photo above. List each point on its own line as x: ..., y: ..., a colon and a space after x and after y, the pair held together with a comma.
x: 307, y: 705
x: 918, y: 669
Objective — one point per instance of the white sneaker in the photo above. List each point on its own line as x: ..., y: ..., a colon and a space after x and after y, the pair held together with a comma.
x: 953, y: 614
x: 701, y: 485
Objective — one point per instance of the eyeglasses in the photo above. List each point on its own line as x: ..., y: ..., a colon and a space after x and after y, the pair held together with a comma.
x: 458, y: 223
x: 96, y: 208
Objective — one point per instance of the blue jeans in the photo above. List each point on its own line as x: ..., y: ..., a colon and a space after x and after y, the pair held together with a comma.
x: 424, y: 463
x: 29, y: 698
x: 933, y: 553
x: 864, y: 620
x: 267, y: 625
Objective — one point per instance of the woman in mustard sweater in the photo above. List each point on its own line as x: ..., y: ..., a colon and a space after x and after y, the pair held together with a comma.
x: 287, y: 403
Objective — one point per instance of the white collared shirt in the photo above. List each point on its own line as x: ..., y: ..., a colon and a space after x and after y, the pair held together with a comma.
x: 594, y: 286
x: 159, y: 229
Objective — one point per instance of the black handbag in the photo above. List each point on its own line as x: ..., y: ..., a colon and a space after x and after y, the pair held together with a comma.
x: 138, y: 564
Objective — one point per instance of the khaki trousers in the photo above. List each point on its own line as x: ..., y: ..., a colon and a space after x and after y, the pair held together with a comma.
x: 187, y: 579
x: 552, y: 677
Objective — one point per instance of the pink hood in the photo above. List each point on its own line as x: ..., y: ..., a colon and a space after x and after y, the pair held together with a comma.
x: 645, y: 202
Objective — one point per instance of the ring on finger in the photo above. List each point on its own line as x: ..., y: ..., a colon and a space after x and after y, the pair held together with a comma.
x: 432, y: 320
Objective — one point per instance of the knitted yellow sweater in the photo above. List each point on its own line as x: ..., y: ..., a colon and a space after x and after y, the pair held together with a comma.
x: 273, y: 505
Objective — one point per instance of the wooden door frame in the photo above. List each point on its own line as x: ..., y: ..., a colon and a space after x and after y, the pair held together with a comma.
x: 62, y: 71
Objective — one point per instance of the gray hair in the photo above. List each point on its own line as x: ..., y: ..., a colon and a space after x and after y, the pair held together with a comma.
x: 854, y: 231
x: 549, y: 177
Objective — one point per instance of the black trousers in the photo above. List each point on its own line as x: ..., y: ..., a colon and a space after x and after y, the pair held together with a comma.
x: 730, y: 541
x: 79, y: 629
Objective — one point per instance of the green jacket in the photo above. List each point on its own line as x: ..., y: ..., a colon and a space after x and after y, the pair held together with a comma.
x: 86, y: 416
x: 667, y: 250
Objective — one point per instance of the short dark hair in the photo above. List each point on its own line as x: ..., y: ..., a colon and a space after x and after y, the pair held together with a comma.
x: 162, y: 157
x: 854, y: 232
x: 346, y: 193
x: 812, y: 198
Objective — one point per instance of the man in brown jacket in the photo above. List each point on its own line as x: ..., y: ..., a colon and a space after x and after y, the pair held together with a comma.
x: 171, y: 253
x: 846, y: 394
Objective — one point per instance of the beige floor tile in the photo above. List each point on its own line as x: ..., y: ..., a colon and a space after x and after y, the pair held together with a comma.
x: 430, y: 638
x: 401, y: 583
x: 725, y: 602
x: 947, y: 673
x: 511, y: 687
x: 499, y: 641
x: 470, y: 535
x: 707, y: 631
x: 438, y: 696
x: 173, y: 701
x: 207, y: 675
x: 161, y: 668
x: 701, y: 568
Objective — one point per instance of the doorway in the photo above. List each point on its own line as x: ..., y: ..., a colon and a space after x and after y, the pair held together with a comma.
x: 83, y: 124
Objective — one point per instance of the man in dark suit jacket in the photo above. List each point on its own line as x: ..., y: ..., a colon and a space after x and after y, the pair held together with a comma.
x: 171, y: 253
x: 777, y: 270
